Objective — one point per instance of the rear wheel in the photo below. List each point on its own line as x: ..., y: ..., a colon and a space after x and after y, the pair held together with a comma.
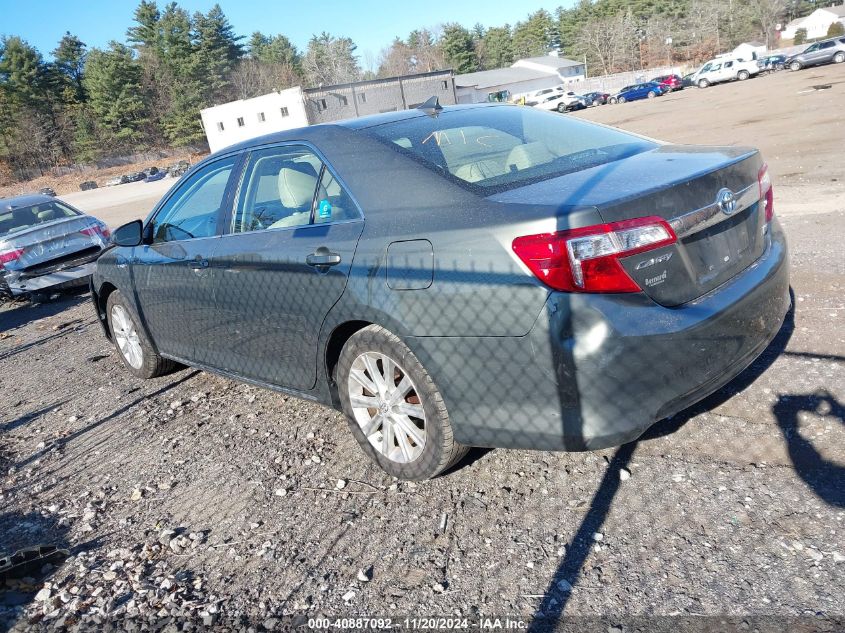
x: 394, y: 408
x: 621, y: 100
x: 612, y: 100
x: 561, y: 108
x: 742, y: 75
x: 839, y: 58
x: 134, y: 348
x: 652, y: 94
x: 703, y: 83
x: 795, y: 66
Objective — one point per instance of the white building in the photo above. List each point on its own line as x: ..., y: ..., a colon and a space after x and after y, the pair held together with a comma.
x: 244, y: 119
x: 816, y: 24
x: 748, y: 51
x: 525, y: 75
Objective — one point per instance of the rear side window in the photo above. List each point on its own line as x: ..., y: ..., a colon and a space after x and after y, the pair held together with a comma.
x: 502, y: 147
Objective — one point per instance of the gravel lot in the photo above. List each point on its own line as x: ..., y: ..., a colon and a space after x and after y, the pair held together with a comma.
x: 192, y: 495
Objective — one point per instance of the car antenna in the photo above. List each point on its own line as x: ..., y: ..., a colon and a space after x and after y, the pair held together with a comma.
x: 431, y: 107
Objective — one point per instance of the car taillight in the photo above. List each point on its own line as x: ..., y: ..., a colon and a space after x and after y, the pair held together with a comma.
x: 767, y: 197
x: 587, y: 259
x: 96, y: 230
x: 10, y: 256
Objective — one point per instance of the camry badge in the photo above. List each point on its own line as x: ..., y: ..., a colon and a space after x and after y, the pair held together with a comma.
x: 726, y: 201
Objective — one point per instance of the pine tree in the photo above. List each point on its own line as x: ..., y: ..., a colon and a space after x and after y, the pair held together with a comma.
x: 458, y: 50
x: 69, y: 63
x: 113, y: 82
x: 498, y: 48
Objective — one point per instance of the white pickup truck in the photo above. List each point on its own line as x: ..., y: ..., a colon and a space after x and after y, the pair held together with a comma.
x: 724, y: 69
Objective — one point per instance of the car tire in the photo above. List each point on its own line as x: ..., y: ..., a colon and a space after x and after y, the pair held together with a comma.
x: 652, y: 94
x: 561, y: 108
x: 612, y: 101
x: 621, y: 100
x: 839, y: 58
x: 795, y: 66
x: 429, y: 447
x: 133, y: 347
x: 703, y: 83
x: 742, y: 75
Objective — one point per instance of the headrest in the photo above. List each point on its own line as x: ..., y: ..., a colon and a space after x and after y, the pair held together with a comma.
x: 297, y: 182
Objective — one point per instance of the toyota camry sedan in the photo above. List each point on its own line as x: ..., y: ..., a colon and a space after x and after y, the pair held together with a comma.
x: 486, y: 275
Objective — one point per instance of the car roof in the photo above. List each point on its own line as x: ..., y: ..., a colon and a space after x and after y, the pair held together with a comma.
x: 361, y: 123
x: 26, y: 200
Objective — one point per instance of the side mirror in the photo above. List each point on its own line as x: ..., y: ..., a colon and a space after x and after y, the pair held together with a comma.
x: 130, y: 234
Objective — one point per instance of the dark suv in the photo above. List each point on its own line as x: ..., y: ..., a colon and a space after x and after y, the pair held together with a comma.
x: 824, y: 52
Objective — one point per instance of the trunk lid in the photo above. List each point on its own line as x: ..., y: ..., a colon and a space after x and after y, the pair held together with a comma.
x: 683, y: 185
x: 44, y: 243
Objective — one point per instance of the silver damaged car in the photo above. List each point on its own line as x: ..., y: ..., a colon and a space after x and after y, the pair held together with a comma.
x: 46, y: 244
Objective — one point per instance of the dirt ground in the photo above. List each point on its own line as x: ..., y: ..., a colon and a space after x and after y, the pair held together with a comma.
x: 192, y: 496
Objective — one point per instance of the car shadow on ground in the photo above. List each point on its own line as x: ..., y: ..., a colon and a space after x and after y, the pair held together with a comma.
x: 19, y: 312
x: 549, y: 612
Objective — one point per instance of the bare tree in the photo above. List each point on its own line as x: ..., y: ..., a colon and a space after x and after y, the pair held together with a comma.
x: 253, y: 78
x: 598, y: 38
x: 766, y: 14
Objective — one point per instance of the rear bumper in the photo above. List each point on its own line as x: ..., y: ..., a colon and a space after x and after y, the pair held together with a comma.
x: 76, y: 275
x: 598, y: 370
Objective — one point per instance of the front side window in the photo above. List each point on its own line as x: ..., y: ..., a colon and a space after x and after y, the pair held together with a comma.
x: 277, y: 189
x: 192, y: 211
x: 503, y: 147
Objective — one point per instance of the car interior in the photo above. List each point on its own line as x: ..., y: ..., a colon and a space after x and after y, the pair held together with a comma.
x: 28, y: 217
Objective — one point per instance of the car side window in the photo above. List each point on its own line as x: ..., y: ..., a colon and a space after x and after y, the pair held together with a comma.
x: 192, y: 211
x: 812, y: 48
x: 729, y: 64
x: 277, y: 189
x: 333, y: 204
x: 827, y: 45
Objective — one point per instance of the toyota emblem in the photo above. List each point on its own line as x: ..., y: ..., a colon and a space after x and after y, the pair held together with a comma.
x: 726, y: 201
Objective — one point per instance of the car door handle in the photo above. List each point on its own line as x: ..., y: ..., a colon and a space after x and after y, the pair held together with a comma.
x: 198, y: 263
x: 322, y: 259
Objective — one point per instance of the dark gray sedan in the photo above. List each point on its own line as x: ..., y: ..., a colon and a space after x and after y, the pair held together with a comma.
x: 469, y: 276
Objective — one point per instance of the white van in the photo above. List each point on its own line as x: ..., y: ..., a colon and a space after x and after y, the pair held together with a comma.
x: 724, y: 69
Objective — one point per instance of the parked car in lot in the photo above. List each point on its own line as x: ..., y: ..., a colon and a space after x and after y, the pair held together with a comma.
x: 823, y: 52
x: 724, y: 69
x: 687, y: 80
x: 135, y: 176
x: 670, y: 83
x: 647, y: 90
x: 47, y: 191
x: 562, y: 102
x: 596, y: 98
x: 45, y: 243
x: 87, y: 185
x: 117, y: 180
x: 156, y: 175
x: 543, y: 282
x: 178, y: 168
x: 771, y: 63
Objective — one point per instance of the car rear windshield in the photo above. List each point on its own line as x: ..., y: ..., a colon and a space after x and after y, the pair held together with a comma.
x: 14, y: 220
x: 497, y: 148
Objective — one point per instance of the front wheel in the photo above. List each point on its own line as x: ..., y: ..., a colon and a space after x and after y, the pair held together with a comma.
x: 839, y: 58
x: 134, y: 348
x: 394, y: 409
x: 795, y: 66
x: 652, y: 94
x: 743, y: 75
x: 621, y: 100
x: 561, y: 108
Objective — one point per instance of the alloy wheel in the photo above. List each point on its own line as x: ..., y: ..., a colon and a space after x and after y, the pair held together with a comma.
x: 126, y: 336
x: 386, y: 405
